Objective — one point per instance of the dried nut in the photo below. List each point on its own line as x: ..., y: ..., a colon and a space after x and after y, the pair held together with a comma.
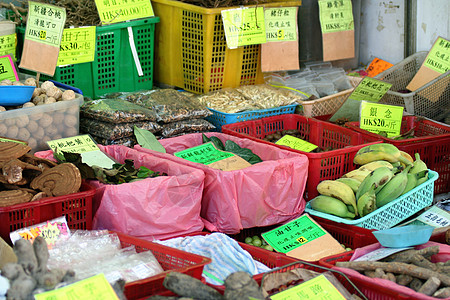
x: 71, y: 121
x: 13, y: 131
x: 68, y: 95
x: 28, y: 104
x: 32, y: 143
x: 71, y: 131
x: 49, y: 100
x: 46, y: 85
x: 23, y: 134
x: 32, y: 126
x: 22, y: 121
x: 37, y: 92
x: 30, y: 81
x: 46, y: 120
x: 54, y: 92
x: 17, y: 83
x: 6, y: 82
x: 3, y: 129
x: 12, y: 197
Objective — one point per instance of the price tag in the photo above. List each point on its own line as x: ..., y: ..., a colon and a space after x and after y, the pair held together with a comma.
x: 281, y: 24
x: 380, y: 253
x: 114, y: 11
x: 370, y: 89
x: 95, y: 287
x: 438, y: 58
x: 8, y: 44
x: 293, y: 234
x: 7, y: 68
x: 85, y: 145
x: 77, y: 46
x: 45, y: 23
x: 318, y: 288
x: 336, y: 16
x: 244, y: 26
x: 296, y: 143
x: 204, y: 154
x: 435, y: 217
x: 379, y: 118
x: 377, y: 66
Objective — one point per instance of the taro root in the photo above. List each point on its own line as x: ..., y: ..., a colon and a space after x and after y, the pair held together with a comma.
x: 12, y: 197
x: 11, y: 150
x: 61, y: 180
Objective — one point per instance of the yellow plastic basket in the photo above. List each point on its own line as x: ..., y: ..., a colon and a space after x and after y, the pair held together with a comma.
x: 191, y: 50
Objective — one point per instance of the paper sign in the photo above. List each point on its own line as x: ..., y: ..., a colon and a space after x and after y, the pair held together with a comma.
x: 318, y: 288
x: 370, y: 89
x: 377, y: 66
x: 438, y: 58
x: 45, y: 23
x: 8, y: 45
x: 281, y: 24
x: 114, y: 11
x: 51, y: 231
x: 380, y: 253
x: 293, y: 234
x: 77, y: 46
x: 336, y: 16
x: 296, y: 143
x: 380, y: 117
x: 85, y: 145
x: 434, y: 216
x: 7, y: 68
x: 204, y: 154
x: 244, y: 26
x: 95, y: 287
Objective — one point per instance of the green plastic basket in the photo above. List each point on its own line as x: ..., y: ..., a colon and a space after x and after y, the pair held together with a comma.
x: 392, y: 213
x: 113, y: 68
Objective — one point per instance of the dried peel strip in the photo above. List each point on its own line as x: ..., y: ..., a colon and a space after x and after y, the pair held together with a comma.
x: 61, y: 180
x: 12, y: 197
x: 10, y: 150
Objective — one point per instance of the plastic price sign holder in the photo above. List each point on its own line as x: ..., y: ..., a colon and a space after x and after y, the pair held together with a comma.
x: 8, y: 45
x: 77, y: 46
x: 377, y: 66
x: 280, y: 52
x: 381, y: 118
x: 43, y: 35
x: 338, y: 34
x: 86, y: 146
x: 368, y: 89
x: 7, y: 68
x: 95, y: 287
x: 244, y: 26
x: 115, y: 11
x: 436, y: 63
x: 296, y: 143
x: 318, y: 288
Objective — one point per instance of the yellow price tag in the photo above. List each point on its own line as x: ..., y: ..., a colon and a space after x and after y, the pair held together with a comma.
x: 281, y: 24
x: 296, y: 143
x: 370, y: 89
x: 77, y: 46
x: 95, y: 287
x: 8, y: 44
x: 75, y: 144
x: 379, y: 118
x: 114, y: 11
x: 336, y: 16
x: 438, y: 58
x: 8, y: 69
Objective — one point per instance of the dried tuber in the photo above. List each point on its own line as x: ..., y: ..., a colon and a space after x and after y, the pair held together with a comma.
x: 430, y: 286
x: 25, y: 256
x: 187, y: 286
x: 241, y: 285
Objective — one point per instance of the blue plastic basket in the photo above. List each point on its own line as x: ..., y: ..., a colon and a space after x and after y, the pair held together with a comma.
x: 392, y: 213
x: 219, y: 118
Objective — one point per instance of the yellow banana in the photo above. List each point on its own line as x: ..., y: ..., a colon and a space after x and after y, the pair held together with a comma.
x: 337, y: 190
x: 330, y: 205
x: 383, y: 151
x: 407, y: 156
x: 376, y: 164
x: 352, y: 183
x: 357, y: 174
x: 393, y: 188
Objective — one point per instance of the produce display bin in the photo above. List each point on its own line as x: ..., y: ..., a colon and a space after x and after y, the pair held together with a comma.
x: 191, y: 50
x: 77, y: 208
x: 428, y: 100
x: 170, y: 259
x: 220, y: 119
x: 39, y: 124
x: 431, y: 141
x: 392, y: 213
x: 325, y: 165
x: 113, y: 68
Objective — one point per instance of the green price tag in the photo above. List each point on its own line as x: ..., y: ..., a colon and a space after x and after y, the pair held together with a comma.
x: 244, y: 26
x: 45, y: 23
x: 77, y: 46
x: 7, y: 68
x: 293, y: 234
x: 281, y: 24
x: 318, y: 288
x: 8, y: 44
x: 335, y: 16
x: 380, y: 118
x: 204, y: 154
x: 95, y: 287
x: 438, y: 58
x: 114, y: 11
x: 296, y: 143
x: 370, y: 89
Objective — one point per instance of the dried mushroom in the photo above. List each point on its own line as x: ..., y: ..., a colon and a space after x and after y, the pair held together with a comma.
x: 12, y: 170
x: 12, y: 197
x: 58, y: 181
x: 11, y: 150
x: 42, y: 163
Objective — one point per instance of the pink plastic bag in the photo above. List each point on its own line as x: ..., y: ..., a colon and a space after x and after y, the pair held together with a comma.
x: 154, y: 208
x: 267, y: 193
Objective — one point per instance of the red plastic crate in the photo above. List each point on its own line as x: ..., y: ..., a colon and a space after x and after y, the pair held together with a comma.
x: 322, y: 166
x: 170, y: 259
x: 432, y: 143
x: 77, y: 208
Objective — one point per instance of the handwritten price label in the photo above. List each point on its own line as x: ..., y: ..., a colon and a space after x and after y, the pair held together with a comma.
x: 77, y: 46
x: 51, y: 231
x: 296, y: 143
x: 379, y: 118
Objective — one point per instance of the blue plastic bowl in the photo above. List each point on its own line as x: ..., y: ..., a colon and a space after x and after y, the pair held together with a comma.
x: 404, y: 236
x: 13, y: 95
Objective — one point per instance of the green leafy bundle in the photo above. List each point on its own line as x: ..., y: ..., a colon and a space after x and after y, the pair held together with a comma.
x: 232, y: 147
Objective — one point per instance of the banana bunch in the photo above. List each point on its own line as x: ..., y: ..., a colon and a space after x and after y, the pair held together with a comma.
x: 385, y: 173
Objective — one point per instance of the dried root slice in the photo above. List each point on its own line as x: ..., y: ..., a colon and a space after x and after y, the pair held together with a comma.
x: 61, y: 180
x: 11, y: 150
x: 12, y: 197
x: 13, y: 169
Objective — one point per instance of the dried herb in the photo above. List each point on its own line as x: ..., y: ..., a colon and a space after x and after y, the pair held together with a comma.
x: 147, y: 140
x: 232, y: 147
x: 186, y: 126
x: 113, y: 131
x: 116, y: 111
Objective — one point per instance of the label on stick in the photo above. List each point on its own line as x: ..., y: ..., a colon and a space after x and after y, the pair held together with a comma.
x: 379, y: 118
x: 114, y: 11
x: 336, y: 16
